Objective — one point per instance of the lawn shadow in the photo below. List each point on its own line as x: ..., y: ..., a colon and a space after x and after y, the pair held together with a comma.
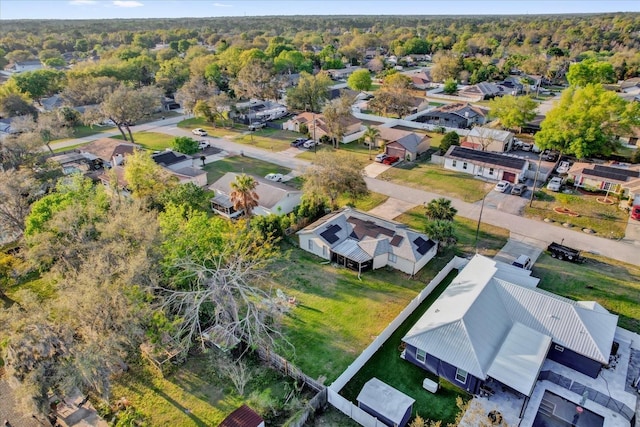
x: 187, y: 411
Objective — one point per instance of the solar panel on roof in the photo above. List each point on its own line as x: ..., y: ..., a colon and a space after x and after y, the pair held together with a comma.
x: 605, y: 174
x: 363, y: 228
x: 423, y: 246
x: 487, y: 157
x: 618, y: 171
x: 330, y: 234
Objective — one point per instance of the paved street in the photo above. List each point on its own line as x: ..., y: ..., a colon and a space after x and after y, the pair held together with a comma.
x: 626, y: 250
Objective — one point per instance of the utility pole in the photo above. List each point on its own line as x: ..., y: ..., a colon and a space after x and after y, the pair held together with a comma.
x: 480, y: 220
x: 535, y: 180
x: 315, y: 143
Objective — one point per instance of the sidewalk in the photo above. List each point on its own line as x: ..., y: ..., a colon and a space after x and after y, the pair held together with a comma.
x: 625, y: 250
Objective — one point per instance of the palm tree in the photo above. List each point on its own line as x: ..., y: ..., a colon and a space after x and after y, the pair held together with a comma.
x: 440, y: 209
x: 371, y: 135
x: 243, y: 194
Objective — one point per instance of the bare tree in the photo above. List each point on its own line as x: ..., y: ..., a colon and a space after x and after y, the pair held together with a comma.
x: 336, y: 114
x: 46, y: 128
x: 18, y: 188
x: 196, y: 89
x: 256, y: 80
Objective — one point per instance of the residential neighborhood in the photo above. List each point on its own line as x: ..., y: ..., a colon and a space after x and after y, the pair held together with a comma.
x: 287, y: 217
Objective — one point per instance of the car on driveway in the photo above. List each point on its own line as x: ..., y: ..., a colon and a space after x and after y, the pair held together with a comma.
x: 389, y: 160
x: 501, y: 186
x: 380, y: 157
x: 526, y: 146
x: 199, y: 132
x: 555, y: 184
x: 518, y: 189
x: 276, y: 177
x: 298, y: 142
x: 310, y: 143
x: 549, y: 155
x: 203, y: 144
x: 563, y: 167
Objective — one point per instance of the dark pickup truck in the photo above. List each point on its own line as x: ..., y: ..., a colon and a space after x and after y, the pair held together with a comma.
x: 564, y: 252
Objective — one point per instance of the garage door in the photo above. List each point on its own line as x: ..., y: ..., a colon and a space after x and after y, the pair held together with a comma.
x: 509, y: 176
x: 396, y: 151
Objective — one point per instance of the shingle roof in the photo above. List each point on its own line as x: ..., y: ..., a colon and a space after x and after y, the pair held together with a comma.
x: 107, y: 148
x: 269, y: 192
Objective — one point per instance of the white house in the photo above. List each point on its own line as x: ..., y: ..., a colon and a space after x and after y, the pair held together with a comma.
x: 273, y: 197
x: 486, y: 164
x: 362, y: 241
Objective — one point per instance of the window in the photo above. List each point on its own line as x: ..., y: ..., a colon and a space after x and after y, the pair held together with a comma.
x: 421, y: 355
x: 464, y: 165
x: 454, y: 163
x: 310, y: 245
x: 559, y: 348
x: 490, y: 171
x: 324, y: 251
x: 393, y: 257
x: 461, y: 376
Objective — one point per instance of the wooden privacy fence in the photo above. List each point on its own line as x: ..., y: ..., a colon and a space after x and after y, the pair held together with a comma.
x: 288, y: 368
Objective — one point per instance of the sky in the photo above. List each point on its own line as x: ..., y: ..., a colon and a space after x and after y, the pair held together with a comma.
x: 105, y: 9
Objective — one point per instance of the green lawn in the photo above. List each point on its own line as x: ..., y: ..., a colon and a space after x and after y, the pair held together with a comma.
x: 606, y: 220
x: 613, y: 284
x: 366, y: 203
x: 387, y: 366
x: 268, y: 139
x: 241, y: 164
x: 194, y: 395
x: 435, y: 178
x: 151, y: 140
x: 69, y: 148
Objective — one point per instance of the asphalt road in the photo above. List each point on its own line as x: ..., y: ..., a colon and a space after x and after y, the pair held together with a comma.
x: 626, y: 250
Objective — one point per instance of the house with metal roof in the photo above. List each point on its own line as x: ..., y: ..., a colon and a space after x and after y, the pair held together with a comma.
x: 243, y: 417
x: 273, y: 197
x: 491, y: 324
x: 486, y: 164
x: 361, y: 242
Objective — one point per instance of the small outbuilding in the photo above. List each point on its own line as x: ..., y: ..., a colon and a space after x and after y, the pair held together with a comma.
x: 243, y: 417
x: 388, y: 405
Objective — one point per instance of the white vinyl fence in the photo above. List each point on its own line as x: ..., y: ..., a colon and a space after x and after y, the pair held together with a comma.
x: 343, y: 404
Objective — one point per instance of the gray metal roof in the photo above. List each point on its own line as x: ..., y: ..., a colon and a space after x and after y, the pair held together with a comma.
x: 350, y: 249
x: 385, y: 400
x: 469, y: 322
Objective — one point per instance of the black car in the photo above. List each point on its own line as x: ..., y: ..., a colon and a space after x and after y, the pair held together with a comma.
x: 550, y: 156
x: 298, y: 142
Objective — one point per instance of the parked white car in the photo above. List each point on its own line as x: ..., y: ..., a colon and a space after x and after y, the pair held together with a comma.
x: 199, y: 132
x: 276, y: 177
x: 501, y: 186
x: 555, y: 184
x: 203, y: 144
x: 563, y: 167
x: 309, y: 143
x: 381, y: 157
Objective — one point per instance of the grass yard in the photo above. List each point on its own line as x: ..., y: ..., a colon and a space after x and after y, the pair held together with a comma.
x: 606, y: 220
x: 216, y: 132
x: 387, y: 366
x: 241, y: 164
x: 193, y: 395
x: 268, y: 139
x: 613, y: 284
x: 151, y: 140
x: 338, y: 315
x: 366, y: 203
x: 430, y: 177
x: 69, y: 148
x: 490, y: 238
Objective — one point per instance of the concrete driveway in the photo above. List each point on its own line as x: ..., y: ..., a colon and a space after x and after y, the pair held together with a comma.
x: 633, y: 232
x: 392, y: 208
x: 505, y: 202
x: 374, y: 169
x: 520, y: 245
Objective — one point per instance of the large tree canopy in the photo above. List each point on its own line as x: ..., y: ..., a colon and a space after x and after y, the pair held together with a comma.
x: 586, y: 121
x: 590, y: 71
x: 334, y: 174
x: 513, y: 111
